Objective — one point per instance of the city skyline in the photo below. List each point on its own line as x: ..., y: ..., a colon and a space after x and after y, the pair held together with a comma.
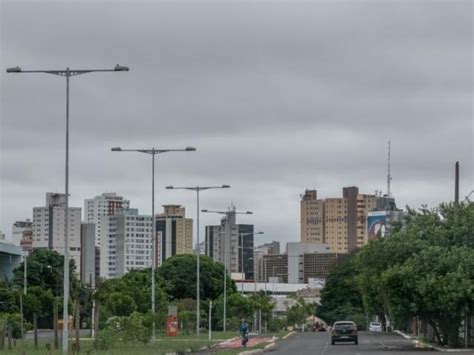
x: 234, y: 89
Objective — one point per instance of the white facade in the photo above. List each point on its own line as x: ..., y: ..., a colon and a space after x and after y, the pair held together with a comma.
x: 107, y: 204
x: 49, y: 229
x: 126, y: 243
x: 18, y: 228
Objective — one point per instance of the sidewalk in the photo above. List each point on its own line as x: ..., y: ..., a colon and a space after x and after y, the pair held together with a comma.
x: 422, y: 344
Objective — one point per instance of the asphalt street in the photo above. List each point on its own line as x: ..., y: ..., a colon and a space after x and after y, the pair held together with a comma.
x: 369, y: 343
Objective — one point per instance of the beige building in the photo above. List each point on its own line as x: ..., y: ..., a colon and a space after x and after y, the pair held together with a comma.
x: 174, y: 233
x: 339, y: 222
x: 49, y: 227
x: 312, y: 214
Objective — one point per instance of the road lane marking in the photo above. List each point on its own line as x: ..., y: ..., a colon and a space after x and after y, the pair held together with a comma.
x: 325, y: 348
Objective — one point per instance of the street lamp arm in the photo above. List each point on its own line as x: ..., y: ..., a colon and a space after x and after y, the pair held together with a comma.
x: 66, y: 72
x: 153, y: 150
x: 196, y: 188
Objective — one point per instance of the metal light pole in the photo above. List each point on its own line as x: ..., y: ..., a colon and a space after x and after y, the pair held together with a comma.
x: 228, y: 214
x: 242, y: 235
x: 197, y: 189
x: 153, y: 152
x: 67, y: 73
x: 25, y: 273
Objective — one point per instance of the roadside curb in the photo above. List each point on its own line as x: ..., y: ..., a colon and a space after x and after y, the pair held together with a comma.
x: 406, y: 336
x: 259, y: 351
x: 422, y: 344
x: 267, y: 347
x: 289, y: 335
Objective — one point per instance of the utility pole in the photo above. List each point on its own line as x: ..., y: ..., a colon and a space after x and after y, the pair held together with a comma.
x: 389, y: 177
x: 210, y: 320
x: 456, y: 183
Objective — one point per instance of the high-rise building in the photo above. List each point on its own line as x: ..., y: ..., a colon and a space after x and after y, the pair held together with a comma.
x: 233, y: 243
x: 26, y: 243
x: 339, y: 222
x: 107, y: 204
x: 126, y: 243
x: 174, y: 233
x: 311, y: 218
x: 49, y: 228
x: 88, y: 257
x: 18, y: 229
x: 264, y: 249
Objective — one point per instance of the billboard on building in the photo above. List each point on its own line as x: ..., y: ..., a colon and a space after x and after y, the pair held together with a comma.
x: 376, y: 224
x: 316, y: 282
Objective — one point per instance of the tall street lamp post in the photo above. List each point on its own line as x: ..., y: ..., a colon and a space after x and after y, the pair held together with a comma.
x: 67, y: 73
x: 197, y: 189
x: 228, y: 214
x: 153, y: 152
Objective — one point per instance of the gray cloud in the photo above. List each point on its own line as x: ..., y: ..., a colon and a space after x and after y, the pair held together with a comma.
x: 276, y: 97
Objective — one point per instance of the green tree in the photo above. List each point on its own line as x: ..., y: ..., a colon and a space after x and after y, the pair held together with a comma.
x: 45, y: 270
x: 340, y: 298
x: 120, y: 304
x: 390, y: 272
x: 135, y: 285
x: 297, y: 314
x: 179, y: 277
x: 437, y: 284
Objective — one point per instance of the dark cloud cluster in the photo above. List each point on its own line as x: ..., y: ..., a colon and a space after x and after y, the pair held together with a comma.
x: 277, y: 97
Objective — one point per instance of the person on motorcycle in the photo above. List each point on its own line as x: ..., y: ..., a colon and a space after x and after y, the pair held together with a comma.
x: 244, y: 332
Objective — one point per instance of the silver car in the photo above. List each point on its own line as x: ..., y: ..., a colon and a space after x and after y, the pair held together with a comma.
x: 375, y: 327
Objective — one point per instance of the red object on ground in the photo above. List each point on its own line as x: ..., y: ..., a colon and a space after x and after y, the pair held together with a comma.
x: 172, y: 326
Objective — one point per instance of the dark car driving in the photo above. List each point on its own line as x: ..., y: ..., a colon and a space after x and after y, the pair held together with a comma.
x: 344, y: 331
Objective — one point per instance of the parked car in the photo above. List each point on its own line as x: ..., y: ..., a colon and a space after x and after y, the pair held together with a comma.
x: 344, y: 331
x: 375, y: 327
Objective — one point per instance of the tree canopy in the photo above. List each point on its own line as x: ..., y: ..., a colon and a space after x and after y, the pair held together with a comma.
x: 424, y: 269
x: 178, y: 275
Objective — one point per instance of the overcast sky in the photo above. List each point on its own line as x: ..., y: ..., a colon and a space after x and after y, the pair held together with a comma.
x: 276, y: 97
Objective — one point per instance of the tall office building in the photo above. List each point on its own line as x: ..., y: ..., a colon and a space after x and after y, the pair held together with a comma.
x: 49, y: 228
x: 174, y: 233
x: 311, y: 217
x: 107, y: 204
x: 339, y: 222
x: 233, y: 243
x: 126, y: 243
x: 295, y: 253
x: 88, y: 257
x: 18, y: 230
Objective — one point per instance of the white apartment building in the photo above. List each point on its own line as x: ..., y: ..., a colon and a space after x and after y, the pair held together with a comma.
x: 19, y: 227
x: 49, y: 228
x: 106, y: 204
x: 126, y: 243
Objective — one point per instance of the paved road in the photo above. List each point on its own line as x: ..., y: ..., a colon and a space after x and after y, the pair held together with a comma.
x: 369, y: 344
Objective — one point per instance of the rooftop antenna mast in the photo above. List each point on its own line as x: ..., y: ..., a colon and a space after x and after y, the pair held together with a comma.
x: 389, y: 177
